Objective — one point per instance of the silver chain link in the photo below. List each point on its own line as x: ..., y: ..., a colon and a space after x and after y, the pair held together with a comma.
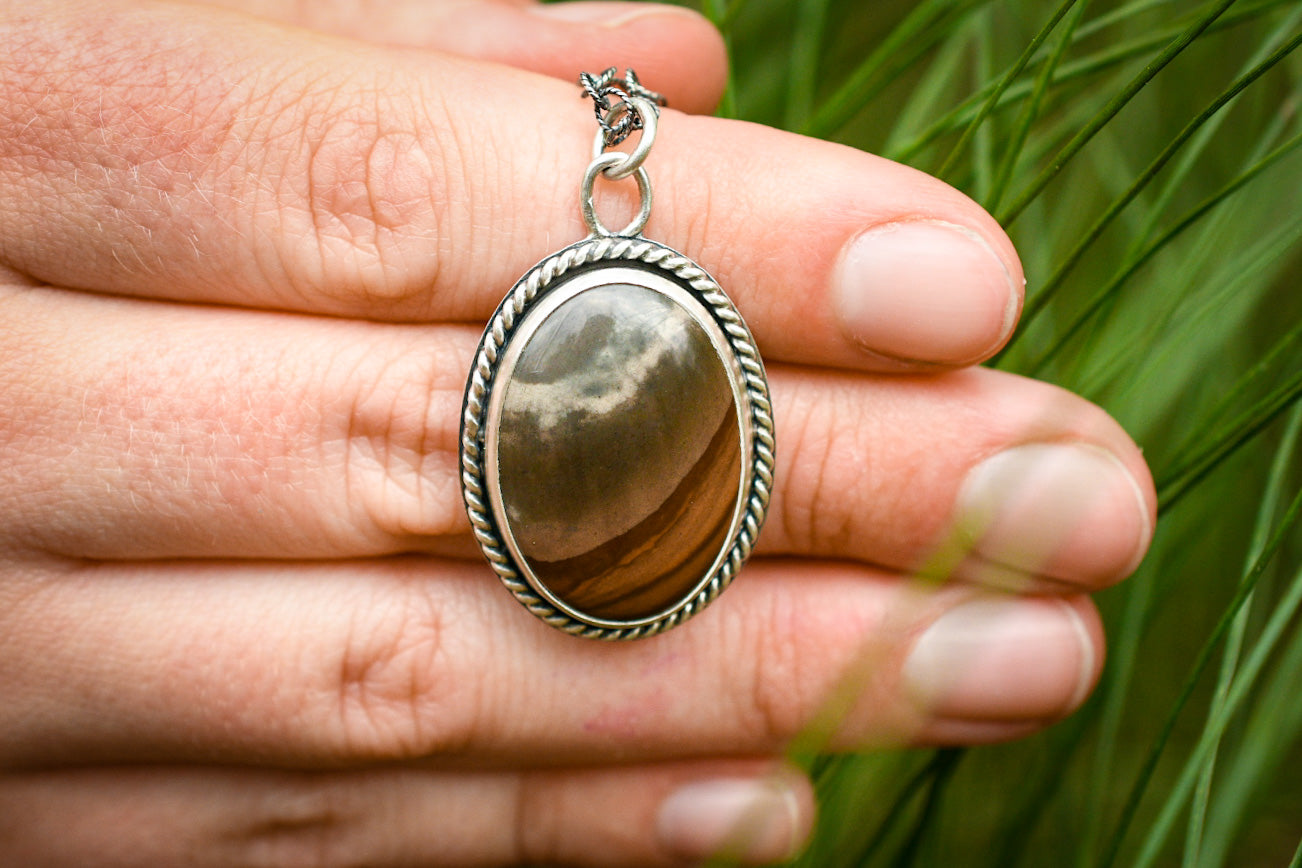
x: 612, y: 103
x: 622, y: 106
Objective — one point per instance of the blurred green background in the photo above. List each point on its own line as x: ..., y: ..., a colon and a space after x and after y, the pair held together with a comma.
x: 1143, y: 157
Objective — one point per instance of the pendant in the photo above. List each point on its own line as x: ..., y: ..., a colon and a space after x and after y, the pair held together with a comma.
x: 617, y: 436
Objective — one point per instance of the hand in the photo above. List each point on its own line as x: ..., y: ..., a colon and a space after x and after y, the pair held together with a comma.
x: 242, y: 617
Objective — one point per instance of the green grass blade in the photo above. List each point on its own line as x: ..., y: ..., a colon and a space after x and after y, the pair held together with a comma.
x: 1202, y: 793
x: 1081, y: 69
x: 1269, y: 504
x: 720, y: 14
x: 1174, y: 485
x: 1232, y: 682
x: 946, y: 764
x: 981, y: 163
x: 1182, y: 459
x: 1200, y: 760
x: 1116, y: 686
x: 926, y: 24
x: 1190, y: 218
x: 1263, y: 746
x: 802, y: 80
x: 1149, y: 765
x: 1005, y: 80
x: 1121, y: 15
x: 1031, y: 109
x: 1036, y: 792
x: 943, y: 69
x: 1114, y: 105
x: 1179, y: 176
x: 1036, y: 304
x: 1183, y: 332
x: 919, y: 783
x: 730, y: 11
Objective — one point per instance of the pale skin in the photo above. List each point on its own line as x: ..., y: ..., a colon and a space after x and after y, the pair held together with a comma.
x: 245, y: 255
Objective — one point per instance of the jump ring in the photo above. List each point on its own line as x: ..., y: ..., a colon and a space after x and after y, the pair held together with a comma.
x: 632, y: 161
x: 599, y: 165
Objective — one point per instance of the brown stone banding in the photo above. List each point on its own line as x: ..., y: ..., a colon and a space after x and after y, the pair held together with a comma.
x: 753, y: 417
x: 619, y: 454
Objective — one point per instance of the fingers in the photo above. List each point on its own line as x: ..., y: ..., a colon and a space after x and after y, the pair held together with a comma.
x: 674, y: 47
x: 151, y: 430
x: 285, y: 172
x: 422, y: 659
x: 975, y: 474
x: 227, y: 433
x: 653, y: 815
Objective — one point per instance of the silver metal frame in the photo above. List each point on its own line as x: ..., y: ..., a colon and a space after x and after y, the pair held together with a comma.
x: 750, y: 389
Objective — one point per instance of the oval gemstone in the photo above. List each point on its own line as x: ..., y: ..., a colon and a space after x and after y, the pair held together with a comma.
x: 619, y: 452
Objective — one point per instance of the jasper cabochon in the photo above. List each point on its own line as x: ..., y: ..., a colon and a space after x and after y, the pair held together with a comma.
x: 619, y: 452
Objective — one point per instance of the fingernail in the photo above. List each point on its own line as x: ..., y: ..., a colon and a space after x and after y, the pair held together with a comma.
x: 1070, y: 511
x: 614, y: 14
x: 925, y: 291
x: 1002, y: 659
x: 753, y: 821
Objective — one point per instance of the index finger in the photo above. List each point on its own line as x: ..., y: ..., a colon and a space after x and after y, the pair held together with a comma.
x: 224, y: 160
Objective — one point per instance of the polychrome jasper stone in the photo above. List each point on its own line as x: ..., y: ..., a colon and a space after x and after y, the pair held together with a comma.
x: 619, y: 453
x: 610, y: 457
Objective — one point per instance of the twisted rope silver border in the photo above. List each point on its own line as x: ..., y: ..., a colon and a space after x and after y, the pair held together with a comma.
x: 480, y: 383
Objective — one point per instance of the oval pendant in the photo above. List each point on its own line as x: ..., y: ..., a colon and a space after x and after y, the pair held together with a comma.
x: 617, y: 439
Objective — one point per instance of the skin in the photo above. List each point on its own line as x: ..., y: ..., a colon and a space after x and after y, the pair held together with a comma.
x: 245, y: 256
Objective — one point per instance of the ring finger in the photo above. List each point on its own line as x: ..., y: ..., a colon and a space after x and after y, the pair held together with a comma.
x: 348, y: 663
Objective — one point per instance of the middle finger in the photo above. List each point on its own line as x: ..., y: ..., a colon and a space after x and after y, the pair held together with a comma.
x: 150, y: 430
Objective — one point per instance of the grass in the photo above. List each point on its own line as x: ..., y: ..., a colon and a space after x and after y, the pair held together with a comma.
x: 1145, y: 156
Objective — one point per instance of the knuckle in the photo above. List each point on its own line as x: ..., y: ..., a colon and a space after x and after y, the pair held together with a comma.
x: 537, y: 829
x: 368, y: 206
x: 33, y: 441
x: 301, y: 823
x: 777, y: 698
x: 825, y: 461
x: 397, y: 698
x: 821, y: 661
x: 20, y: 346
x: 399, y: 444
x: 355, y: 217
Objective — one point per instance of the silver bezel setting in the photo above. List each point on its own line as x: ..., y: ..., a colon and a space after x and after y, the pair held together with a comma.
x: 737, y: 350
